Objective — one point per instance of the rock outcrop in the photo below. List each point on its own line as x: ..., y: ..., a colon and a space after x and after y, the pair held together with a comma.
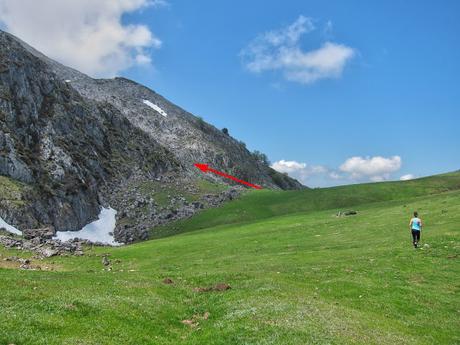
x: 70, y: 143
x: 44, y: 233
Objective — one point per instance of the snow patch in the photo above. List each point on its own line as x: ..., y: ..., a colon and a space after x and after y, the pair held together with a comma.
x: 100, y: 230
x: 9, y: 227
x: 155, y: 107
x: 68, y: 80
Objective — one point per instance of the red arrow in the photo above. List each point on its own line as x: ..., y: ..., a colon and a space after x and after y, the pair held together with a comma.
x: 205, y: 168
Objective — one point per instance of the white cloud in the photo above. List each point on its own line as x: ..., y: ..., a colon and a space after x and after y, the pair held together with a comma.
x: 143, y: 59
x: 280, y: 50
x: 372, y: 168
x: 288, y: 166
x: 297, y: 170
x: 85, y: 34
x: 354, y: 169
x: 335, y: 175
x: 407, y: 177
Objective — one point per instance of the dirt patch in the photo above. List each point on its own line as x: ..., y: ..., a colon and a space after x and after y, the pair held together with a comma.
x: 168, y: 281
x: 15, y: 262
x: 217, y: 287
x: 190, y: 323
x: 195, y: 320
x: 417, y: 279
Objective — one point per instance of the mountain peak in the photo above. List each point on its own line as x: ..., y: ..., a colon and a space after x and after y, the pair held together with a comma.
x: 74, y: 144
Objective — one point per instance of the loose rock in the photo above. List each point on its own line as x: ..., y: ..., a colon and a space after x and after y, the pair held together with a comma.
x: 44, y: 248
x: 44, y: 233
x: 105, y: 261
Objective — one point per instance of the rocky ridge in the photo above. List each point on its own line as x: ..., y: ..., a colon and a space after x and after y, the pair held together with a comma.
x: 70, y: 144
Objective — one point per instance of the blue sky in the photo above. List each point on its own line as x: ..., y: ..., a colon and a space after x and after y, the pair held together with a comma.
x: 386, y: 105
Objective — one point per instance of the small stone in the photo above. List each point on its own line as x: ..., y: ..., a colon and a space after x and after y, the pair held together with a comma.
x: 48, y: 252
x: 105, y: 261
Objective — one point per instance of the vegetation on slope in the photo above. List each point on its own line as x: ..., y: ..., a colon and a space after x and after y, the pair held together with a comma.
x: 304, y: 277
x: 12, y: 193
x: 263, y: 204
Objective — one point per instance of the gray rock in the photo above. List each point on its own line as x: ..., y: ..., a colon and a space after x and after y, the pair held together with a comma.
x: 48, y: 252
x: 43, y: 248
x: 45, y: 233
x: 105, y: 261
x: 74, y: 146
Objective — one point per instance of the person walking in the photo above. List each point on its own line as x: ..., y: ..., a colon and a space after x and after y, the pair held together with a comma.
x: 416, y: 229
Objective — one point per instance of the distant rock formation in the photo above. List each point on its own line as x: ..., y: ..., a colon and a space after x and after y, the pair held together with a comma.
x: 70, y: 144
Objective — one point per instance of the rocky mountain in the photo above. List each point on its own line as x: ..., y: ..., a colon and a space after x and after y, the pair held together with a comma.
x: 70, y: 144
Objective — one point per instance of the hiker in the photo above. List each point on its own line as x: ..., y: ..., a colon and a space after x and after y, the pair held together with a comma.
x: 416, y: 228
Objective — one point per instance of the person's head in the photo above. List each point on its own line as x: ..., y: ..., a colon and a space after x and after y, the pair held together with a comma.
x: 415, y: 214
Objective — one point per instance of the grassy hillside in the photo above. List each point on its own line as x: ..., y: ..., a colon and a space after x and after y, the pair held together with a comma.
x: 298, y: 275
x: 264, y: 204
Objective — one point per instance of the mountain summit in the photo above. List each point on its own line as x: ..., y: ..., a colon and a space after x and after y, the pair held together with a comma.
x: 71, y: 144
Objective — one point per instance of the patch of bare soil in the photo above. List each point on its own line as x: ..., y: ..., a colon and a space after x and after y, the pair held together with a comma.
x: 15, y: 262
x: 195, y: 320
x: 168, y: 281
x: 217, y: 287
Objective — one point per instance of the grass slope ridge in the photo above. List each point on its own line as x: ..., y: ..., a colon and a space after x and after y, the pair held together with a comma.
x: 264, y: 204
x: 296, y: 278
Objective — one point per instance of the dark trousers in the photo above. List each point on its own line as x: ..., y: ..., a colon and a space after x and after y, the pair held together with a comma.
x: 415, y: 236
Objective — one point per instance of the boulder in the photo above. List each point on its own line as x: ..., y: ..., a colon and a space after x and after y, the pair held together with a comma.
x: 44, y: 233
x: 47, y: 252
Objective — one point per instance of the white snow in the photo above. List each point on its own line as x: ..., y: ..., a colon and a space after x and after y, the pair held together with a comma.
x: 9, y: 227
x: 97, y: 231
x: 155, y: 107
x: 68, y: 80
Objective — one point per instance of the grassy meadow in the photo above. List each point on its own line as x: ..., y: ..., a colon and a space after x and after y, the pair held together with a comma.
x: 298, y: 275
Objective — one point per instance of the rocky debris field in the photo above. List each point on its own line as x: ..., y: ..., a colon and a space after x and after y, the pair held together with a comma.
x: 42, y: 233
x: 145, y: 205
x: 44, y: 247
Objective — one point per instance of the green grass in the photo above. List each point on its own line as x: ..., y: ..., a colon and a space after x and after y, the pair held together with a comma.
x: 162, y: 193
x: 11, y: 192
x: 299, y: 275
x: 265, y: 204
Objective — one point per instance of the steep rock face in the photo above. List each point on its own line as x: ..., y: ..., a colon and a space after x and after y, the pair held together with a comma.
x: 71, y: 143
x: 187, y: 137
